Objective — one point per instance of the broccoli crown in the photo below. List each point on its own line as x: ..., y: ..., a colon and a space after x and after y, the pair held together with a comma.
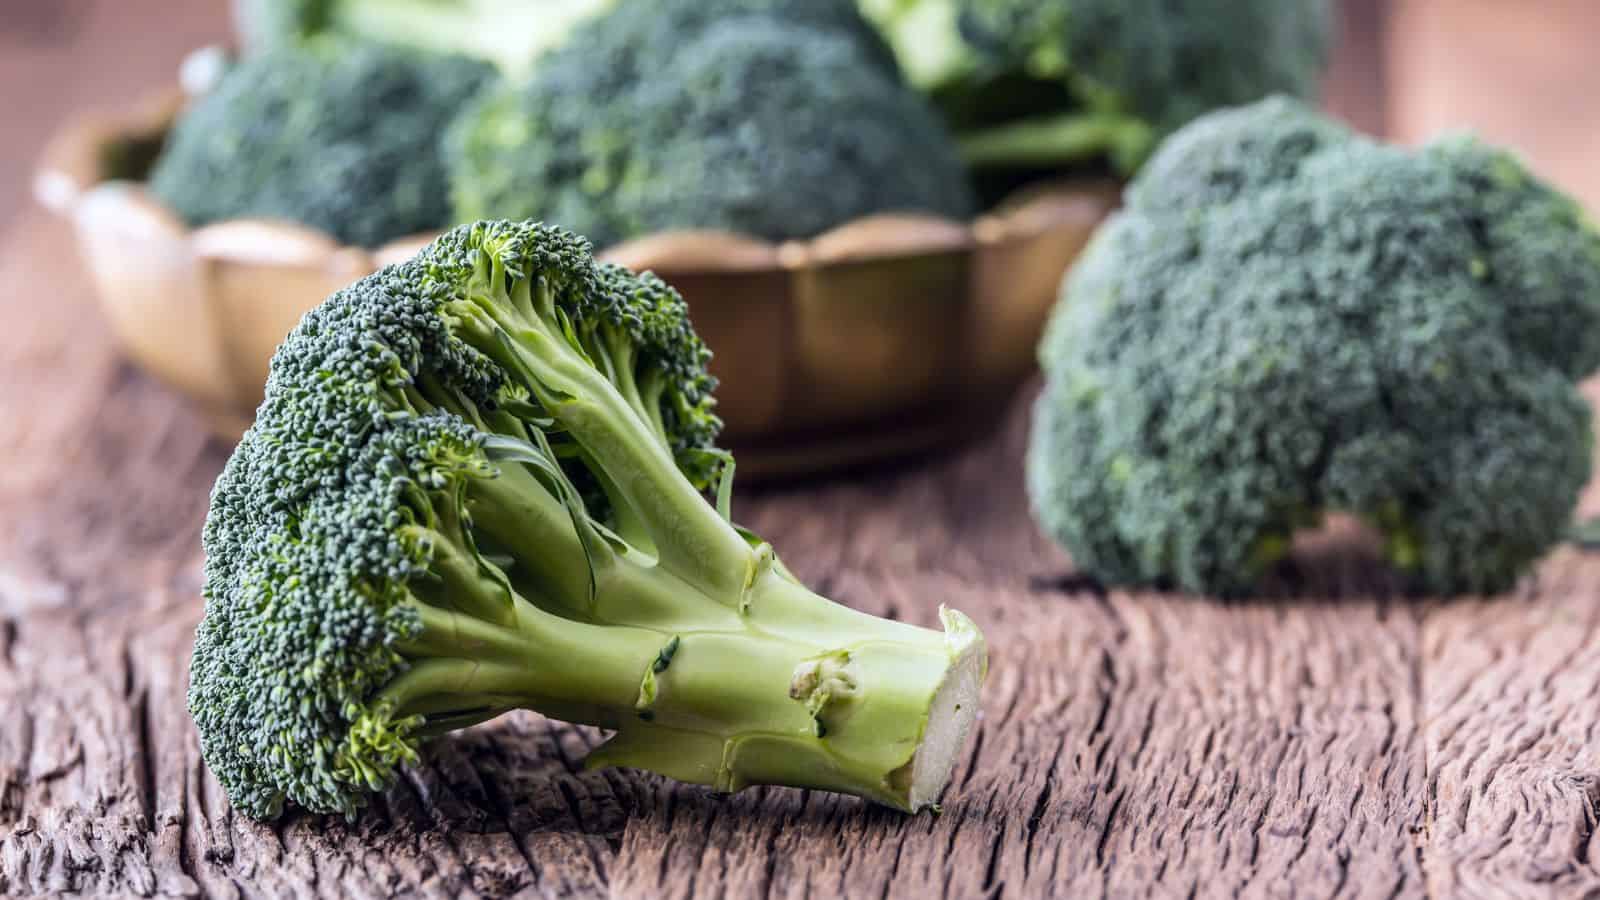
x: 475, y: 485
x: 1288, y: 319
x: 632, y: 40
x: 752, y: 124
x: 342, y: 137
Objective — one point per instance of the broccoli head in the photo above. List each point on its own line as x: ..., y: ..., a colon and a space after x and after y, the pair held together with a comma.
x: 404, y: 544
x: 1288, y: 320
x: 751, y: 123
x: 342, y: 137
x: 1041, y: 84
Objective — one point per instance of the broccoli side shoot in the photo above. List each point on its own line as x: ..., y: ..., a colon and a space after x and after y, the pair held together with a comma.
x: 342, y: 137
x: 752, y: 123
x: 1038, y: 85
x: 475, y: 486
x: 1288, y: 320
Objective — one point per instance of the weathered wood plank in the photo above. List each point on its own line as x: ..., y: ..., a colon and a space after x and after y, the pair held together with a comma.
x: 1511, y: 692
x: 1337, y: 742
x: 1514, y: 780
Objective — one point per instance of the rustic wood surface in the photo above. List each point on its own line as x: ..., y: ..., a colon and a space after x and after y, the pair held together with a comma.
x: 1333, y: 739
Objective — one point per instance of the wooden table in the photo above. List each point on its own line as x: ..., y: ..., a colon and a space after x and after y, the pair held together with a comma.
x: 1335, y: 740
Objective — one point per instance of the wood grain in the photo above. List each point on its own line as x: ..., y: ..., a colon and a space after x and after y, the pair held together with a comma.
x: 1511, y: 690
x: 1329, y: 740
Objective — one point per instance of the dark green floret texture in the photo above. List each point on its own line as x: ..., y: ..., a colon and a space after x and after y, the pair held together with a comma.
x: 1288, y: 320
x: 477, y: 484
x: 778, y: 120
x: 344, y: 137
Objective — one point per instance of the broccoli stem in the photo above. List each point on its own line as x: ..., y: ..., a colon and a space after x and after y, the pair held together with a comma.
x: 1058, y: 140
x: 521, y: 329
x: 772, y: 685
x: 706, y: 658
x: 519, y: 514
x: 810, y: 694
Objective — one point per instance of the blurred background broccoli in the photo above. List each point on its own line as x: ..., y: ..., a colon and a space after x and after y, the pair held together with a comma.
x: 339, y: 136
x: 1289, y: 320
x: 747, y: 123
x: 779, y: 119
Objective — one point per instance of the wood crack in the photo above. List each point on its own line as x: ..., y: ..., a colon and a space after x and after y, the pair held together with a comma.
x: 1036, y: 817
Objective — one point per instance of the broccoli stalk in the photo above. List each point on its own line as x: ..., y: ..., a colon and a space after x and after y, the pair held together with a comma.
x: 335, y: 135
x: 475, y: 487
x: 712, y: 664
x: 769, y: 684
x: 1060, y: 141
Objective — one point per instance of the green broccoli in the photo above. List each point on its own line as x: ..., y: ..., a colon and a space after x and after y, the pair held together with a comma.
x: 641, y: 36
x: 651, y: 118
x: 509, y: 33
x: 1289, y: 320
x: 400, y: 547
x: 1034, y: 86
x: 339, y: 136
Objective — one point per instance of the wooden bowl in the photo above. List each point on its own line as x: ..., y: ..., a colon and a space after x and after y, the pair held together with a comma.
x: 887, y: 336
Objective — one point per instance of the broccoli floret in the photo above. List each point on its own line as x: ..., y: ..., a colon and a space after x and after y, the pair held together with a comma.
x: 1289, y: 320
x: 633, y: 40
x: 752, y: 123
x: 508, y: 33
x: 342, y: 137
x: 400, y: 547
x: 1037, y: 85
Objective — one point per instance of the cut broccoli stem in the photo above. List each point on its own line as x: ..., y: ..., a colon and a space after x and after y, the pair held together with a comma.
x: 772, y: 684
x: 758, y: 681
x: 800, y: 691
x: 732, y: 710
x: 1059, y: 140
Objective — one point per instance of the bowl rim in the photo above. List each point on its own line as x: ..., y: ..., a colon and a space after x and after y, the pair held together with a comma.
x: 74, y: 166
x: 79, y: 178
